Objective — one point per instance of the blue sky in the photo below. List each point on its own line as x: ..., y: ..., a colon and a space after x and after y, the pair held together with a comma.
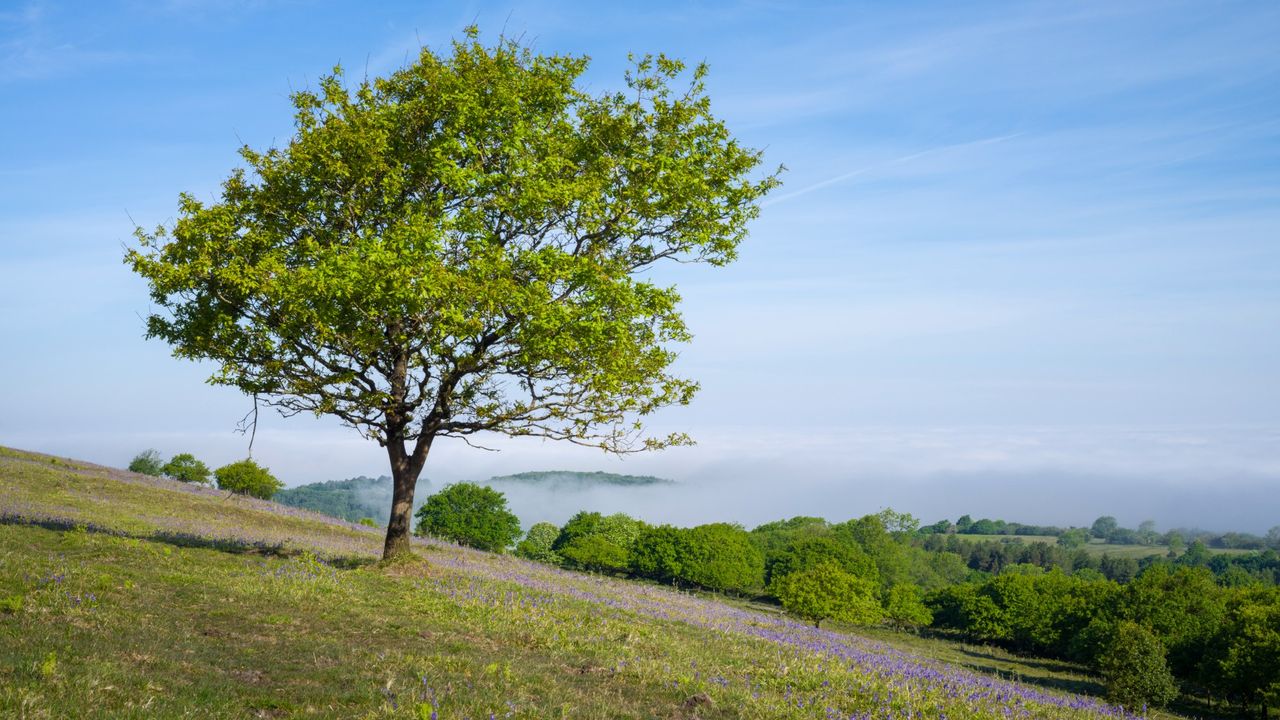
x: 1026, y: 260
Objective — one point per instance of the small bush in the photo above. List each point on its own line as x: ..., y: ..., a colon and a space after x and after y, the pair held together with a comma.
x: 146, y: 462
x: 537, y: 544
x: 49, y: 666
x: 368, y: 522
x: 248, y: 478
x: 1135, y: 669
x: 469, y: 514
x: 185, y: 467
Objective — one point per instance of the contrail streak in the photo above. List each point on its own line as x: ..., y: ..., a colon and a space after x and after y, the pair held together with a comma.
x: 888, y: 163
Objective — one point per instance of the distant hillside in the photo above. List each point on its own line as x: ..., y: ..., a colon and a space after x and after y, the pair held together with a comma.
x: 353, y: 499
x: 572, y: 480
x: 366, y: 497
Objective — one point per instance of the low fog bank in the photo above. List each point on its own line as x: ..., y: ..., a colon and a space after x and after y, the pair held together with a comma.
x: 1223, y: 479
x: 1049, y: 497
x: 1218, y: 478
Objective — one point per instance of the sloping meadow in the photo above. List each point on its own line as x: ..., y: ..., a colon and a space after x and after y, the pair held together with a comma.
x: 127, y: 596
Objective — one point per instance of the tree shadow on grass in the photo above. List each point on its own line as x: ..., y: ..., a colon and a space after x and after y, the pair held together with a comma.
x: 1034, y: 662
x: 233, y: 545
x: 1187, y: 705
x: 1198, y: 707
x: 1077, y: 686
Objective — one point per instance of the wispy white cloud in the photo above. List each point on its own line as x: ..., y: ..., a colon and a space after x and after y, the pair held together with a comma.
x: 31, y: 49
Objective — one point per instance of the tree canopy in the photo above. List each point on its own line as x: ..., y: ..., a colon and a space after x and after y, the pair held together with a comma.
x: 472, y: 515
x: 247, y: 477
x: 146, y: 462
x: 537, y: 543
x: 824, y: 591
x: 459, y: 248
x: 185, y: 467
x: 600, y: 543
x: 722, y: 557
x: 1135, y: 669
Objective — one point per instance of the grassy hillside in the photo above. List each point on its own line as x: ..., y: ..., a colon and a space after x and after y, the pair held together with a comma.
x: 128, y: 596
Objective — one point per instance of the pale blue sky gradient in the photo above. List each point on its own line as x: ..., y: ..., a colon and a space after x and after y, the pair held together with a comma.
x: 1026, y: 260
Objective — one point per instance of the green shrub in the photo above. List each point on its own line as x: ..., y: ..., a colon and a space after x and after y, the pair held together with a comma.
x: 903, y: 607
x: 1073, y: 538
x: 660, y: 553
x: 1088, y: 645
x: 11, y: 605
x: 806, y: 552
x: 536, y: 545
x: 596, y: 553
x: 185, y: 467
x: 1135, y: 669
x: 247, y: 477
x: 146, y: 462
x: 368, y: 522
x: 826, y: 592
x: 722, y: 557
x: 1243, y: 661
x: 591, y: 541
x: 471, y: 515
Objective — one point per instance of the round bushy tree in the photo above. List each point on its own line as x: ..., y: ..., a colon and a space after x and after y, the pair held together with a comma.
x: 185, y: 467
x: 247, y: 477
x: 722, y: 557
x: 146, y: 462
x: 469, y: 514
x: 805, y: 552
x: 591, y: 541
x: 1135, y: 669
x: 660, y: 553
x: 1104, y: 527
x: 596, y: 553
x: 536, y: 545
x: 1073, y: 538
x: 826, y: 592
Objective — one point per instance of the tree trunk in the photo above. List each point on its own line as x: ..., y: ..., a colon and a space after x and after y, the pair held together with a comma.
x: 405, y: 468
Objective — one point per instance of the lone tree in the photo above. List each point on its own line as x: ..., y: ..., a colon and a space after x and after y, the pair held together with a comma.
x: 146, y: 462
x: 471, y: 515
x: 247, y: 477
x: 185, y: 467
x: 458, y: 248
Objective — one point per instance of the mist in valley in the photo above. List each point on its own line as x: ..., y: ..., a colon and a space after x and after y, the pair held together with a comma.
x: 1177, y: 478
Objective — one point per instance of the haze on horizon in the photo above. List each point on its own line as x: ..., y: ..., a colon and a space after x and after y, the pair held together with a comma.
x: 1025, y: 263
